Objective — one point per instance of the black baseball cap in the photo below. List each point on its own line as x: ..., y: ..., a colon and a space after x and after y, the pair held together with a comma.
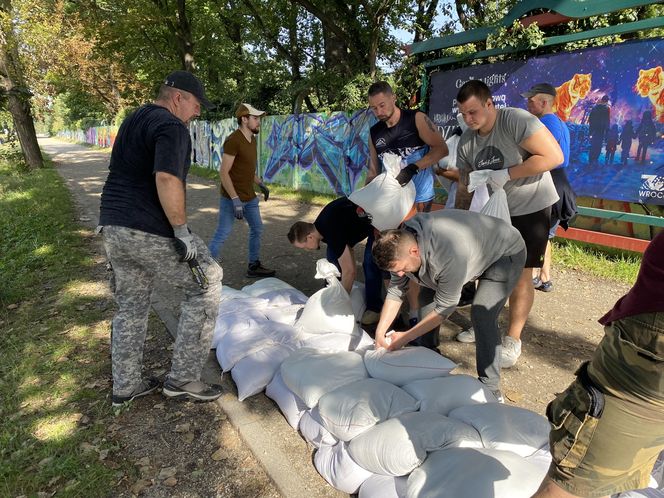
x: 184, y: 80
x: 539, y: 88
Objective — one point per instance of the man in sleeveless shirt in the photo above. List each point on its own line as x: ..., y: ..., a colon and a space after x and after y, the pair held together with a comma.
x: 411, y: 135
x: 520, y: 151
x: 238, y: 199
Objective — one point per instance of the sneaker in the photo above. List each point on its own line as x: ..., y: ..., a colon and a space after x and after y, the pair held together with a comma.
x: 467, y: 336
x: 545, y: 286
x: 194, y: 390
x: 369, y: 317
x: 412, y: 322
x: 511, y: 352
x: 256, y: 270
x: 499, y: 396
x: 144, y: 388
x: 537, y: 282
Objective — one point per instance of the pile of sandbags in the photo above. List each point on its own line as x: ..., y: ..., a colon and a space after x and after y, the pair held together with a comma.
x: 384, y: 424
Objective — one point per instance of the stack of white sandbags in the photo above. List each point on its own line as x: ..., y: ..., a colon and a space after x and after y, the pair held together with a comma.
x: 255, y: 330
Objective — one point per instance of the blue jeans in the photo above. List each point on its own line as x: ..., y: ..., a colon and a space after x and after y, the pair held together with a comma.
x: 373, y: 276
x: 226, y: 219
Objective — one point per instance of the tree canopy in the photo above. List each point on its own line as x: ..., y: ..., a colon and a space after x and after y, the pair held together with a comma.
x: 88, y: 61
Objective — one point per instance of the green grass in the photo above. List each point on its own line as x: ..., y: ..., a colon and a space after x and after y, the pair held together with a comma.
x: 280, y: 191
x: 54, y: 329
x: 613, y: 264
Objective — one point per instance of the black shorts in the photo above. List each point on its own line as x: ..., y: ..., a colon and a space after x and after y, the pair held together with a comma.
x: 534, y: 228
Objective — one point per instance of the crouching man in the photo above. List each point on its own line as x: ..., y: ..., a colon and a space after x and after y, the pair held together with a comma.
x: 443, y: 251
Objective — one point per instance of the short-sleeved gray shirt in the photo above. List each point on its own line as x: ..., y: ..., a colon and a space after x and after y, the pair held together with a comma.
x: 499, y: 150
x: 456, y: 246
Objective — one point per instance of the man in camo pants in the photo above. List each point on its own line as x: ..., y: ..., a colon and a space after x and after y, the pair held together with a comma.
x: 144, y: 225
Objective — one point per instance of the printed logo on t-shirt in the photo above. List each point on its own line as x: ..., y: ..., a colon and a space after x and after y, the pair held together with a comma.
x: 489, y: 157
x: 380, y: 142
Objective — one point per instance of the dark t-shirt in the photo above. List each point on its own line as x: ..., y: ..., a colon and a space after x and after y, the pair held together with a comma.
x: 244, y: 165
x: 149, y: 140
x: 340, y: 225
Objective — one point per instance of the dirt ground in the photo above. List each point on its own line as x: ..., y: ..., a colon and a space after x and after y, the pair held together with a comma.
x: 561, y: 333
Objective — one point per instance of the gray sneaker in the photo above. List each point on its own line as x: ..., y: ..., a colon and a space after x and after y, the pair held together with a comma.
x: 143, y: 389
x: 194, y: 390
x: 499, y: 396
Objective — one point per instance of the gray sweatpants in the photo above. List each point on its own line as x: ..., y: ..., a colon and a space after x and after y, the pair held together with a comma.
x: 494, y: 288
x: 138, y: 258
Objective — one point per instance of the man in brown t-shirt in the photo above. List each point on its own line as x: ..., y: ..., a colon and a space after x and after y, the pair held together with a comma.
x: 238, y: 199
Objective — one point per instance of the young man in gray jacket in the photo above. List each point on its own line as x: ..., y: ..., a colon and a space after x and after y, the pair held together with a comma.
x: 442, y: 251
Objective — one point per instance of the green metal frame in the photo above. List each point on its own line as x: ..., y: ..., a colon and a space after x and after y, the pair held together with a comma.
x: 576, y: 9
x: 607, y: 214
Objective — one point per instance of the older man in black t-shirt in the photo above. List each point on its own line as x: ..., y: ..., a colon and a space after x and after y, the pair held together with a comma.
x: 341, y: 225
x: 144, y: 225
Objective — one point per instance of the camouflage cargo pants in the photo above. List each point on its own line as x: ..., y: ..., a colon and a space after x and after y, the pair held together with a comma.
x: 138, y: 259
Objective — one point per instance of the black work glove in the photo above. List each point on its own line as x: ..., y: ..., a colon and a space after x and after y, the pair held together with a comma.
x: 238, y: 207
x: 407, y: 174
x: 184, y: 243
x: 264, y: 190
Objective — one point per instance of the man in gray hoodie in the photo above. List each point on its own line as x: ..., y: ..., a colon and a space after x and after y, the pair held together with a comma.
x: 442, y: 251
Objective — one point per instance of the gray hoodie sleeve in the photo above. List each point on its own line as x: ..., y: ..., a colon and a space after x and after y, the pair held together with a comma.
x: 398, y: 287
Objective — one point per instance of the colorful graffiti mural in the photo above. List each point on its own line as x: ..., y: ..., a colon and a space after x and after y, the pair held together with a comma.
x: 320, y: 152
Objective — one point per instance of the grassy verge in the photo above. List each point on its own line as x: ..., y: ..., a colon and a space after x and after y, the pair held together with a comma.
x: 287, y: 193
x: 613, y: 264
x: 54, y: 338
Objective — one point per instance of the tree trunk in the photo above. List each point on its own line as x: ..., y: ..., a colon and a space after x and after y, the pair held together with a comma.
x: 18, y: 98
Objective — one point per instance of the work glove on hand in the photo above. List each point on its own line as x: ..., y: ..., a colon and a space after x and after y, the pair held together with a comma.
x: 264, y: 190
x: 498, y: 179
x: 407, y: 174
x: 184, y: 243
x: 239, y: 209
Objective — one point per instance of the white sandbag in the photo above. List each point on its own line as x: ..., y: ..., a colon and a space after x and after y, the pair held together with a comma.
x: 383, y: 487
x: 358, y: 300
x: 313, y: 431
x: 406, y: 365
x: 250, y: 337
x: 310, y: 373
x: 338, y: 342
x: 474, y: 473
x: 239, y: 303
x: 497, y: 206
x: 329, y: 309
x: 352, y: 409
x: 290, y: 405
x: 228, y: 293
x: 255, y: 371
x: 284, y: 314
x: 444, y: 394
x: 383, y: 198
x: 338, y: 468
x: 505, y: 427
x: 237, y: 322
x: 265, y: 285
x: 398, y: 445
x: 284, y: 297
x: 541, y: 459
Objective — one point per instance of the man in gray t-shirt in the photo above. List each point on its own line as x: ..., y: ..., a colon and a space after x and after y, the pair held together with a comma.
x: 442, y: 251
x: 520, y: 151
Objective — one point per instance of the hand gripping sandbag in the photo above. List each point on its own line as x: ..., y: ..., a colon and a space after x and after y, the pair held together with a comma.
x: 474, y: 473
x: 406, y: 365
x: 398, y: 445
x: 496, y: 206
x: 310, y: 373
x: 444, y: 394
x: 329, y: 309
x: 505, y: 427
x: 354, y: 408
x: 383, y: 198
